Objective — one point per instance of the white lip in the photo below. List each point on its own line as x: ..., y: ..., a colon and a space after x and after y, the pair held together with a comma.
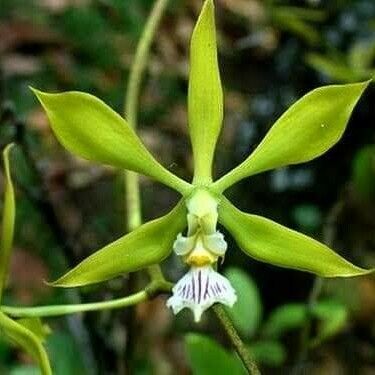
x: 199, y: 289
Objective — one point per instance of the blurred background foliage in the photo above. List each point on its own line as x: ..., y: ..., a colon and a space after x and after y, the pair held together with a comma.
x: 271, y: 53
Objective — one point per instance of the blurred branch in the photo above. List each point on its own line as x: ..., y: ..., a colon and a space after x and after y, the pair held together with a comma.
x: 329, y: 231
x: 40, y: 199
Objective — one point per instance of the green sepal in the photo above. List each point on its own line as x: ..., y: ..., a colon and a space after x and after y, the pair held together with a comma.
x: 305, y: 131
x: 149, y: 244
x: 9, y: 212
x: 205, y: 97
x: 27, y: 340
x: 87, y: 127
x: 273, y: 243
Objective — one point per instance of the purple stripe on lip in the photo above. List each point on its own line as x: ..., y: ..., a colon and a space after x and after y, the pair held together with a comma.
x: 218, y: 287
x: 199, y: 286
x: 193, y: 286
x: 206, y: 293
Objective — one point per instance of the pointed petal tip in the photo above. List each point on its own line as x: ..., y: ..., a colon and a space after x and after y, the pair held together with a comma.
x: 64, y: 282
x: 36, y: 92
x: 356, y: 273
x: 366, y: 83
x: 55, y: 284
x: 206, y: 13
x: 207, y: 4
x: 363, y: 85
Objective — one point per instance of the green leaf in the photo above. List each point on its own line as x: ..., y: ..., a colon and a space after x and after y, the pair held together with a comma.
x: 333, y: 316
x: 27, y: 340
x: 268, y: 352
x: 363, y: 172
x: 208, y: 358
x: 273, y: 243
x: 36, y: 326
x: 246, y: 313
x: 87, y: 127
x: 285, y: 19
x: 307, y: 14
x: 307, y: 217
x: 205, y: 98
x: 305, y: 131
x: 361, y: 55
x: 284, y: 319
x: 9, y: 212
x: 25, y: 370
x: 147, y: 245
x: 63, y: 351
x: 337, y: 69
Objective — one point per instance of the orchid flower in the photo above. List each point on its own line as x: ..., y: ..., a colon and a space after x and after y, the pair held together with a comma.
x: 28, y: 333
x: 90, y: 129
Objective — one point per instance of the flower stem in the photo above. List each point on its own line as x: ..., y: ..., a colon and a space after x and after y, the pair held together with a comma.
x: 132, y: 202
x: 58, y: 310
x: 132, y: 198
x: 153, y: 289
x: 238, y: 344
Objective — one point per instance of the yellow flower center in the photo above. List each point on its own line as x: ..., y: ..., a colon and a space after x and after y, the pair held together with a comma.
x: 200, y: 256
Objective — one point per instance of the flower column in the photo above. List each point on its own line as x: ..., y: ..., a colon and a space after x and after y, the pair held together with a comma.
x: 202, y: 286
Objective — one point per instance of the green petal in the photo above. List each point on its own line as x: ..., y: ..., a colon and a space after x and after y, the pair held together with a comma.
x: 147, y: 245
x: 27, y: 340
x: 305, y: 131
x: 9, y: 211
x: 205, y: 100
x: 87, y: 127
x: 272, y: 243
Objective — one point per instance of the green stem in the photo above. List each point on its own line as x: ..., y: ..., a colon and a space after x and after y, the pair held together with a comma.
x: 140, y: 62
x: 24, y: 338
x: 131, y: 180
x: 153, y: 289
x: 238, y: 344
x: 132, y: 199
x: 58, y: 310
